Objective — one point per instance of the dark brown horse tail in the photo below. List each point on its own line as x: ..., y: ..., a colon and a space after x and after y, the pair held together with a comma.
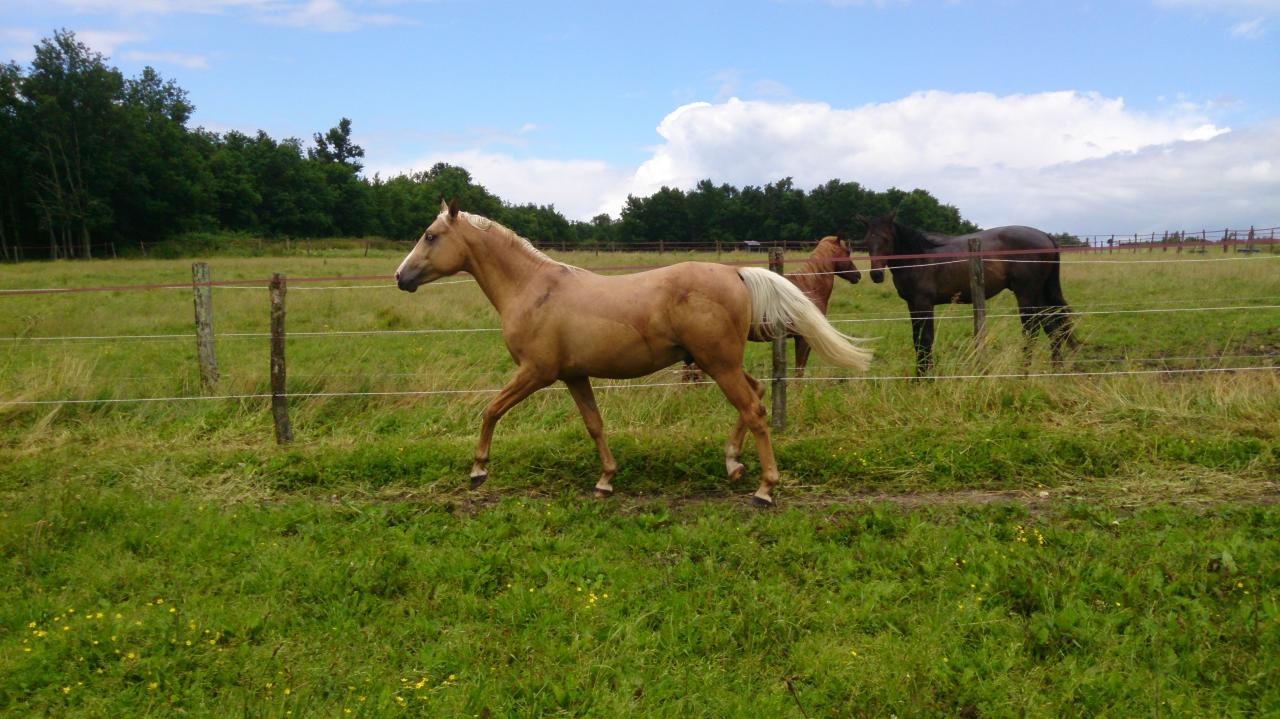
x: 1054, y: 298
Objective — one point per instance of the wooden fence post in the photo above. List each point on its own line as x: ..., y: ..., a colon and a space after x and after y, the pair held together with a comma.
x: 1226, y: 232
x: 204, y: 326
x: 978, y: 292
x: 779, y: 420
x: 279, y: 400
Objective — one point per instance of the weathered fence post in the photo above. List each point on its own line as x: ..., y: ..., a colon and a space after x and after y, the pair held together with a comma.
x: 1226, y: 233
x: 1249, y: 244
x: 204, y: 326
x: 279, y: 400
x: 779, y: 354
x: 978, y: 292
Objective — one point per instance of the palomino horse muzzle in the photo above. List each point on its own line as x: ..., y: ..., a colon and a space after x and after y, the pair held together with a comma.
x: 407, y: 283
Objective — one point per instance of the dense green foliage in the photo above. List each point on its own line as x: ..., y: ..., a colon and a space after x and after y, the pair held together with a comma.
x: 91, y: 160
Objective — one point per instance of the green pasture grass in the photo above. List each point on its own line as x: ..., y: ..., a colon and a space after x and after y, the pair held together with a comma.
x: 904, y: 574
x: 118, y: 602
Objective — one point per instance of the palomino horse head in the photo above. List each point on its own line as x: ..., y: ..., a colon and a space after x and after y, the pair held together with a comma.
x: 841, y: 263
x: 878, y: 242
x: 441, y: 251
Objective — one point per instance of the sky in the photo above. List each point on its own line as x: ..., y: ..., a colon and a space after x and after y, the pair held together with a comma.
x: 1092, y: 117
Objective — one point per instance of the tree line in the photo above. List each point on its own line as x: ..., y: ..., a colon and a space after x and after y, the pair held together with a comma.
x: 91, y: 159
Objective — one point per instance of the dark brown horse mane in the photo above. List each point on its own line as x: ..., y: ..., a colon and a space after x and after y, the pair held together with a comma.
x: 910, y: 241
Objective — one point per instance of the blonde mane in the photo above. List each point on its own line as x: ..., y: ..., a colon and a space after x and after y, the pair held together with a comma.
x: 484, y: 224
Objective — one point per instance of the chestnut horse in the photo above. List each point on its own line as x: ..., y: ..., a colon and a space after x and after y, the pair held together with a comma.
x: 816, y: 279
x: 923, y: 283
x: 569, y: 324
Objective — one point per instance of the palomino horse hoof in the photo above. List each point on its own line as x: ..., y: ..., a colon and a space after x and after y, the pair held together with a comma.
x: 735, y: 471
x: 603, y: 493
x: 478, y: 479
x: 761, y: 502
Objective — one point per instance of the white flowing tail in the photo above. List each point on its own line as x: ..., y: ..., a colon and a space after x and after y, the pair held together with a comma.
x: 774, y: 299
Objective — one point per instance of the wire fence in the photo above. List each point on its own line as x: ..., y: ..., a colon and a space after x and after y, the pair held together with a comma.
x: 1239, y: 363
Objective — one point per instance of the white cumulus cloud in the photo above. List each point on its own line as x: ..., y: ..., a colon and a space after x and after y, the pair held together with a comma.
x: 1066, y: 161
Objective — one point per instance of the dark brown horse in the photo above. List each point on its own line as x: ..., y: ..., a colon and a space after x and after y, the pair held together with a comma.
x: 925, y: 283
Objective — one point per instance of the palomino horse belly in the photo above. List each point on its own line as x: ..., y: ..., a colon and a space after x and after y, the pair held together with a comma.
x: 625, y: 354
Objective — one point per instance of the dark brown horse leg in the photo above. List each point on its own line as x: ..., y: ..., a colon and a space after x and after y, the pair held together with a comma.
x: 734, y: 447
x: 922, y: 336
x: 1058, y: 327
x: 586, y: 400
x: 1031, y: 322
x: 525, y: 383
x: 802, y: 355
x: 741, y: 390
x: 691, y: 372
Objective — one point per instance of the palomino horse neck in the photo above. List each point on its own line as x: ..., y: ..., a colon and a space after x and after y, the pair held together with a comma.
x: 501, y: 261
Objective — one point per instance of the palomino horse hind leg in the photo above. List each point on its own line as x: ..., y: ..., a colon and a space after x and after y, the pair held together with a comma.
x: 733, y: 447
x: 521, y: 386
x: 585, y: 399
x: 743, y: 391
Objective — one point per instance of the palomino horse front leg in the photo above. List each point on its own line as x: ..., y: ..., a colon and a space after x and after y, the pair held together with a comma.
x: 586, y: 400
x: 734, y: 447
x: 525, y: 383
x: 744, y: 392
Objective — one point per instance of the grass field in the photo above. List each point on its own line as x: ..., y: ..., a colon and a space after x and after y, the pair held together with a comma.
x: 1043, y: 546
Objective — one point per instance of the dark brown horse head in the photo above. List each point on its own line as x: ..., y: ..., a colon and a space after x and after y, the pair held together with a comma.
x: 841, y: 263
x: 878, y: 242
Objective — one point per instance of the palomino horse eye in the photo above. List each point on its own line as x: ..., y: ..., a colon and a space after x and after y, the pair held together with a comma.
x: 431, y: 237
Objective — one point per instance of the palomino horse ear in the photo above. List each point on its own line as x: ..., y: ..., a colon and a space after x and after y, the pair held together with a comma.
x: 444, y: 206
x: 453, y: 208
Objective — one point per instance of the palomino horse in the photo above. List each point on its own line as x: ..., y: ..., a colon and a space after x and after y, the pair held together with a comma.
x: 816, y: 279
x: 569, y: 324
x: 924, y: 283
